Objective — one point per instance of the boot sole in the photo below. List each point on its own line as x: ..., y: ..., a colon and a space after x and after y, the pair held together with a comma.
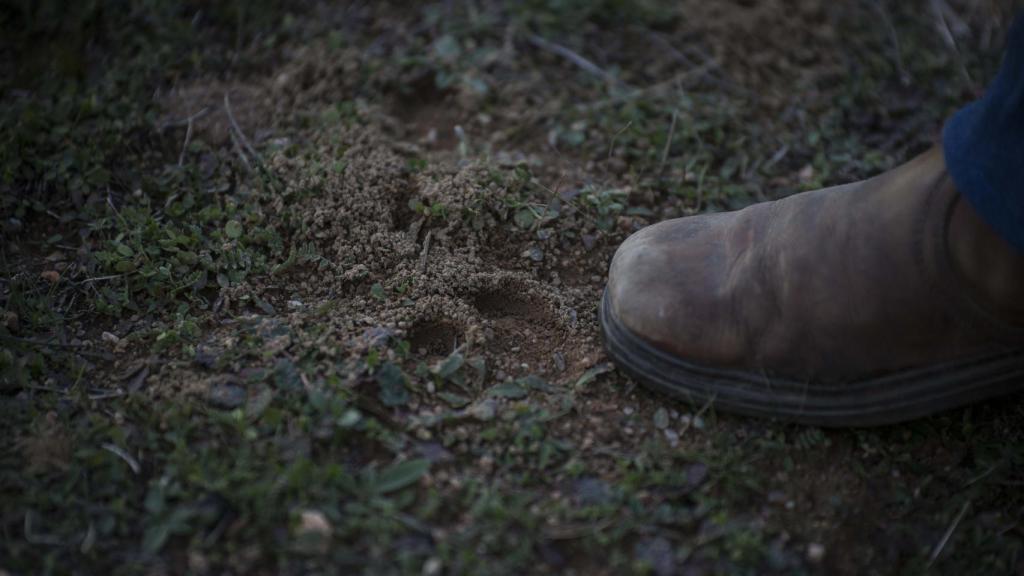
x: 874, y: 401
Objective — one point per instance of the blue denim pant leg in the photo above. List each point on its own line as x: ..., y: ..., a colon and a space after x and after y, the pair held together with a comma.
x: 984, y: 146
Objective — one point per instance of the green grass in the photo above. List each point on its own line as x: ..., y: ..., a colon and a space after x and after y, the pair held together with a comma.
x: 226, y: 433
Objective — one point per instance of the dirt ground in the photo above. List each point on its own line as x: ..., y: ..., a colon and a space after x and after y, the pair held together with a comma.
x: 374, y: 345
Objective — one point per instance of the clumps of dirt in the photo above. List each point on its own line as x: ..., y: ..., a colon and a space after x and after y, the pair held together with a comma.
x: 391, y: 234
x: 183, y: 379
x: 47, y: 446
x: 402, y: 214
x: 252, y: 107
x: 315, y: 74
x: 349, y: 203
x: 405, y: 252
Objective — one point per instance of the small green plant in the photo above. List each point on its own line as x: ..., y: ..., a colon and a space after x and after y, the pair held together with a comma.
x: 605, y: 203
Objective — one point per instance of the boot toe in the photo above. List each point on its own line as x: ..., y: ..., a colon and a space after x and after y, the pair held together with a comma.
x: 634, y: 280
x: 660, y: 289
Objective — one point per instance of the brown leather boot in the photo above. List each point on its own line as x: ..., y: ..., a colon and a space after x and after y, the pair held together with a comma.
x: 861, y: 304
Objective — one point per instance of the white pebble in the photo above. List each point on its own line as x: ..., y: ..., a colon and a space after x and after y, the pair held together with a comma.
x: 815, y: 552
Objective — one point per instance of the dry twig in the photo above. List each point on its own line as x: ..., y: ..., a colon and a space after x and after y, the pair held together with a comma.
x: 949, y: 534
x: 236, y: 130
x: 668, y: 141
x: 943, y: 13
x: 894, y: 40
x: 571, y: 56
x: 188, y: 133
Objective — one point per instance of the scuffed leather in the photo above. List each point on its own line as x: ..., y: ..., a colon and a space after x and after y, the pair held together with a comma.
x: 834, y: 284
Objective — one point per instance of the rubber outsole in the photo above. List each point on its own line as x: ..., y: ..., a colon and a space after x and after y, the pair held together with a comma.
x: 875, y: 401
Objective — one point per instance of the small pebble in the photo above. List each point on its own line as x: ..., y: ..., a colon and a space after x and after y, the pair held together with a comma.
x: 226, y: 396
x: 672, y: 437
x: 559, y: 361
x: 534, y: 253
x: 486, y: 463
x: 815, y: 552
x: 110, y: 337
x: 432, y: 567
x: 315, y: 529
x: 313, y: 521
x: 661, y: 419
